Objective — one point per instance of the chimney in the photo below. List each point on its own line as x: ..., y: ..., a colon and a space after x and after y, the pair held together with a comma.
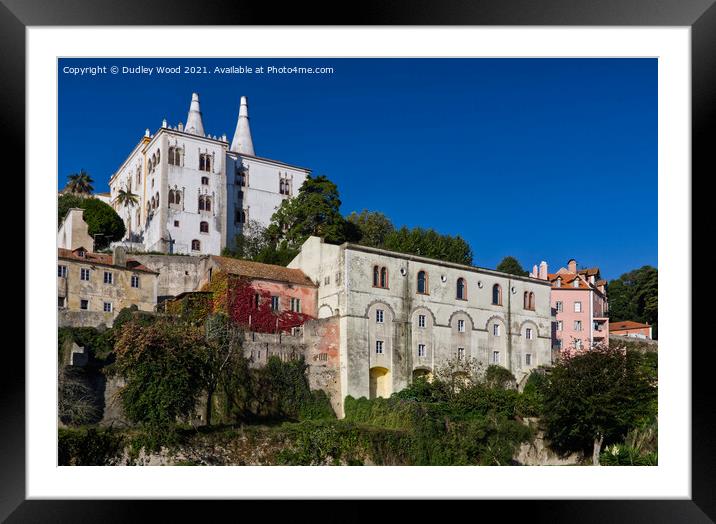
x: 572, y: 265
x: 194, y: 122
x: 543, y: 270
x: 119, y: 256
x: 242, y: 142
x: 534, y: 273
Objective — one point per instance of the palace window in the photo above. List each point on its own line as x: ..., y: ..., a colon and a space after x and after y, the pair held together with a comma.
x: 203, y: 227
x: 422, y: 282
x: 195, y: 245
x: 528, y: 359
x: 559, y: 306
x: 461, y: 326
x: 379, y: 316
x: 240, y: 216
x: 461, y: 292
x: 460, y: 353
x: 379, y: 347
x: 174, y: 196
x: 107, y: 277
x: 495, y: 357
x: 496, y: 330
x: 577, y: 307
x: 421, y: 350
x: 84, y: 274
x: 559, y: 325
x: 383, y: 277
x: 528, y: 334
x: 205, y: 162
x: 204, y: 203
x: 241, y: 179
x: 421, y: 321
x: 175, y: 156
x: 497, y: 295
x: 84, y: 304
x: 274, y: 303
x: 135, y: 280
x: 578, y: 325
x: 107, y: 307
x: 62, y: 271
x: 578, y: 343
x: 176, y: 223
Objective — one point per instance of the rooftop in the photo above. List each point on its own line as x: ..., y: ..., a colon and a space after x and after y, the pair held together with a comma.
x: 257, y: 270
x: 627, y: 324
x: 82, y: 255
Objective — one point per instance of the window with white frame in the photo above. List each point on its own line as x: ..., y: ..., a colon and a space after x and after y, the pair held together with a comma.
x: 84, y: 273
x: 107, y: 307
x: 495, y: 357
x: 559, y: 306
x: 107, y: 277
x: 528, y: 334
x: 528, y: 359
x: 496, y: 330
x: 296, y: 305
x: 578, y: 325
x: 274, y: 303
x: 135, y: 280
x: 421, y: 321
x: 379, y: 316
x: 461, y: 326
x: 421, y: 350
x: 62, y: 271
x: 379, y: 347
x: 577, y: 307
x: 460, y: 353
x: 578, y: 343
x: 559, y: 325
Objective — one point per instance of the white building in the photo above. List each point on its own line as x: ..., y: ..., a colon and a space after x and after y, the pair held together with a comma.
x: 195, y: 191
x: 401, y: 316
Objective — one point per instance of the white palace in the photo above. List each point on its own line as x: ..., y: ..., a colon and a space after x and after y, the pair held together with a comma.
x: 196, y: 191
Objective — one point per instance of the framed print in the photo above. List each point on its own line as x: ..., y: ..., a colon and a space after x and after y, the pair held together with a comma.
x: 427, y: 243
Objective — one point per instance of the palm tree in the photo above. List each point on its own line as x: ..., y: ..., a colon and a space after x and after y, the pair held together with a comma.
x: 80, y: 183
x: 126, y: 198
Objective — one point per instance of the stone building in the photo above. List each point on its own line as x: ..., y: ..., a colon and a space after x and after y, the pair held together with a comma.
x: 195, y: 190
x: 401, y: 316
x: 92, y: 288
x: 579, y: 299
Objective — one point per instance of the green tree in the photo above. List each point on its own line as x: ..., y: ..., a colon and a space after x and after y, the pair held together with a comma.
x: 163, y: 366
x: 635, y: 296
x: 104, y: 224
x: 429, y: 243
x: 126, y: 198
x: 512, y: 266
x: 374, y: 227
x: 79, y: 183
x: 315, y: 210
x: 252, y: 241
x: 596, y: 397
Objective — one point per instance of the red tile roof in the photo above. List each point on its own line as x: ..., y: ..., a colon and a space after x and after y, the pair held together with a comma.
x: 257, y: 270
x: 104, y: 259
x: 567, y: 279
x: 627, y: 324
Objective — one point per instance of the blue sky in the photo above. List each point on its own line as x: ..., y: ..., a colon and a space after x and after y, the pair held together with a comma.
x: 541, y: 159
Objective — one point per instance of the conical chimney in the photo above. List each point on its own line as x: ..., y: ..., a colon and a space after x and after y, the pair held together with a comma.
x: 194, y: 123
x: 242, y: 142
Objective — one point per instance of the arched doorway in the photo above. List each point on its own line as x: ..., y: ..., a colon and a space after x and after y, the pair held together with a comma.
x: 380, y: 383
x: 422, y: 373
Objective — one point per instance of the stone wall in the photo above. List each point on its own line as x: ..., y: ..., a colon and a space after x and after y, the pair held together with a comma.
x: 82, y: 318
x: 177, y: 273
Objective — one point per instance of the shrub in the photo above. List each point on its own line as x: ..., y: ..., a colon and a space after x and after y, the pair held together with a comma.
x: 89, y: 447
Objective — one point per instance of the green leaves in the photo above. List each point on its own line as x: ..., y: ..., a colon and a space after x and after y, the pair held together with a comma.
x: 512, y: 266
x: 104, y: 224
x: 635, y: 296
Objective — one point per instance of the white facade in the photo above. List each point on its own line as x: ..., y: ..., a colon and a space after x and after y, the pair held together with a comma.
x: 194, y: 191
x: 391, y: 333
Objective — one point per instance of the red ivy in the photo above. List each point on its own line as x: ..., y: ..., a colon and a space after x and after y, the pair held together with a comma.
x: 242, y: 309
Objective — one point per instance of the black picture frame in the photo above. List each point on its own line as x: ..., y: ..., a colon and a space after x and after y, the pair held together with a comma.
x: 699, y: 15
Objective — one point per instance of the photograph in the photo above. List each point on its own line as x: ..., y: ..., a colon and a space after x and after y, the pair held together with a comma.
x: 357, y: 261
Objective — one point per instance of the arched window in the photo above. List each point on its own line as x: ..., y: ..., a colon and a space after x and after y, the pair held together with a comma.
x: 497, y: 295
x: 526, y: 300
x: 461, y: 291
x: 205, y: 162
x: 422, y: 282
x: 207, y: 203
x: 240, y: 216
x: 171, y: 196
x: 177, y: 196
x: 203, y: 227
x: 195, y: 245
x: 384, y: 277
x: 376, y: 276
x: 204, y: 203
x: 280, y: 186
x: 532, y: 301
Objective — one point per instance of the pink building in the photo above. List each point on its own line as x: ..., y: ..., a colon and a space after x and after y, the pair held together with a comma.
x: 579, y: 303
